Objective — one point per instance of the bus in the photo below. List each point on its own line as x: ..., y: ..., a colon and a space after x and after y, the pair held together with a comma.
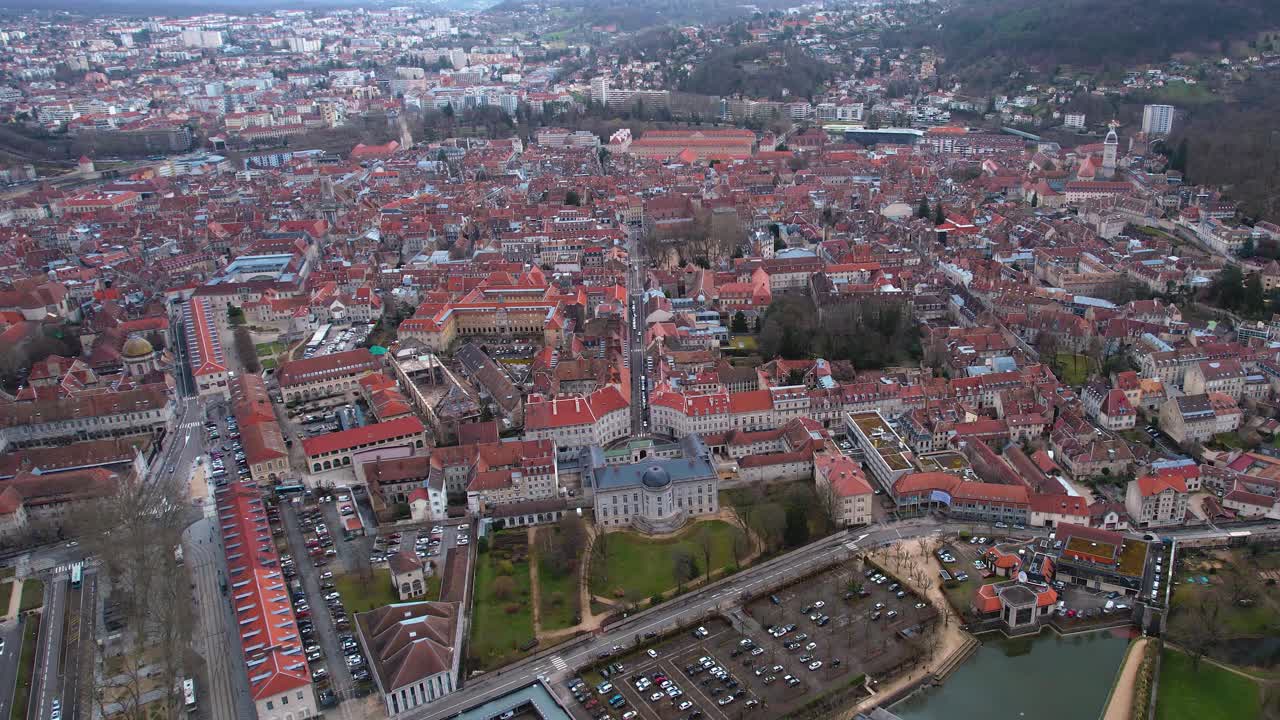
x: 189, y: 694
x: 290, y: 489
x: 77, y: 574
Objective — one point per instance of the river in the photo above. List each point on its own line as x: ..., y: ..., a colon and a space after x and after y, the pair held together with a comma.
x: 1046, y: 677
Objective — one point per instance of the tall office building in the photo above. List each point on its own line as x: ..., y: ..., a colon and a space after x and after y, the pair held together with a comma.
x: 1157, y: 119
x: 600, y: 89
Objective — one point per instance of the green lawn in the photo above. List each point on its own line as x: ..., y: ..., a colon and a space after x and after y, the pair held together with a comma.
x: 640, y: 567
x: 960, y: 594
x: 270, y: 349
x: 6, y: 592
x: 6, y: 572
x: 1073, y: 369
x: 267, y: 363
x: 32, y: 594
x: 558, y: 596
x: 1206, y: 693
x: 499, y: 625
x: 362, y: 595
x: 26, y: 665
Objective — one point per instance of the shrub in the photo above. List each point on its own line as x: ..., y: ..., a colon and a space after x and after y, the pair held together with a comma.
x: 503, y: 587
x: 511, y: 608
x: 506, y: 567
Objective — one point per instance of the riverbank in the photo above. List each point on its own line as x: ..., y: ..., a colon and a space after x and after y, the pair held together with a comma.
x: 1120, y: 705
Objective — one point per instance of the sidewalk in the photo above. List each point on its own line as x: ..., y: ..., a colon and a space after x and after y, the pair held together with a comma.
x: 1121, y: 704
x: 15, y: 602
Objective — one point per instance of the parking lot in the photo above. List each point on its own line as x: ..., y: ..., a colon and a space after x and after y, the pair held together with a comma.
x: 775, y: 654
x: 326, y: 629
x: 340, y: 340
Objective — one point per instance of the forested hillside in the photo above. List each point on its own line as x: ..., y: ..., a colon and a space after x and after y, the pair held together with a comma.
x: 1091, y: 33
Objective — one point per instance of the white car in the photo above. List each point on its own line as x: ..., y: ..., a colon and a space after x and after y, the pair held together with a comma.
x: 651, y: 653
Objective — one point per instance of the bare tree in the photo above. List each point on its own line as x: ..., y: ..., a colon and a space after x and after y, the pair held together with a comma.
x: 1205, y: 630
x: 135, y: 531
x: 706, y: 544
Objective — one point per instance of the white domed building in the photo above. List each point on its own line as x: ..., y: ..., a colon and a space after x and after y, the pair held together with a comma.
x: 658, y: 494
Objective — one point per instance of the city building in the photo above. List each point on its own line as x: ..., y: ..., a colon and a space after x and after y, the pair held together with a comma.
x: 1157, y: 119
x: 655, y: 495
x: 279, y: 680
x: 1156, y: 500
x: 205, y: 354
x: 332, y: 377
x: 413, y: 650
x: 849, y: 495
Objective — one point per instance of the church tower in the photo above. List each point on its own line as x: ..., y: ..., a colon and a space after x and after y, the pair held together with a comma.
x: 1109, y: 147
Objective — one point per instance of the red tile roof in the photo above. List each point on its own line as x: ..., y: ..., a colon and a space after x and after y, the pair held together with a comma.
x: 355, y: 437
x: 269, y: 639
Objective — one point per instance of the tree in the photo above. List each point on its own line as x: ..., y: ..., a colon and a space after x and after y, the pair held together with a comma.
x: 572, y: 198
x: 797, y: 526
x: 246, y: 352
x: 706, y: 543
x: 1205, y: 628
x: 922, y: 211
x: 739, y: 323
x: 773, y: 524
x: 145, y: 518
x: 939, y: 215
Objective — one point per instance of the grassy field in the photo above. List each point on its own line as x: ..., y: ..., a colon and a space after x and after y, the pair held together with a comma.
x: 6, y: 592
x: 1072, y: 369
x: 32, y: 594
x: 26, y: 666
x: 960, y: 595
x: 500, y: 625
x: 558, y: 600
x: 1206, y: 693
x: 361, y: 595
x: 636, y: 567
x: 270, y: 349
x: 1258, y: 618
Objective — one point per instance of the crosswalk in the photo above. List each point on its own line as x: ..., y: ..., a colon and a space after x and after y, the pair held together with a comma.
x: 558, y: 663
x: 66, y: 567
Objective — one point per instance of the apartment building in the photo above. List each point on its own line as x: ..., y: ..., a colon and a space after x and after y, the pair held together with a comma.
x: 1156, y: 500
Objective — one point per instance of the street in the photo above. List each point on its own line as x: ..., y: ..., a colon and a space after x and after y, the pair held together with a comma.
x: 635, y: 340
x: 11, y: 634
x: 47, y: 679
x: 226, y: 688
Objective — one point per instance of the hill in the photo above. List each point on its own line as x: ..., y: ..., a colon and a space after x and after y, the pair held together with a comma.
x: 761, y: 70
x: 1087, y: 33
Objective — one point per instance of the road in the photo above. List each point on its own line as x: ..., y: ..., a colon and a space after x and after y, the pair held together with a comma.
x: 11, y: 634
x: 78, y: 662
x: 47, y: 678
x: 635, y: 338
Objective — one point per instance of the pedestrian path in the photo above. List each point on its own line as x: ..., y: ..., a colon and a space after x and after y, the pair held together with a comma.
x: 15, y: 601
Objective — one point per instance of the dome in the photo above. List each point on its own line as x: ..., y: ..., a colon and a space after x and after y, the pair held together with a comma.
x: 656, y: 478
x: 137, y: 347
